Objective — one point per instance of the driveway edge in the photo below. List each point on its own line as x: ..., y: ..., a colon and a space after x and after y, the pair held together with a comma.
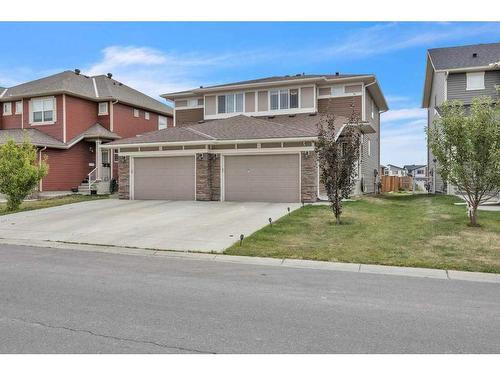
x: 289, y: 263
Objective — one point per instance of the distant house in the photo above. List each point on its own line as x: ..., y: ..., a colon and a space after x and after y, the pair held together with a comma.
x: 457, y: 73
x: 394, y: 170
x: 419, y: 174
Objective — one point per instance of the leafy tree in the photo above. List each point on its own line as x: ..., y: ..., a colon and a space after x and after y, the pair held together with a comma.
x: 466, y: 144
x: 337, y: 157
x: 19, y: 171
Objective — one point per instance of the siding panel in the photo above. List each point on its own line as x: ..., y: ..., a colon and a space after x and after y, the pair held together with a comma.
x: 457, y: 84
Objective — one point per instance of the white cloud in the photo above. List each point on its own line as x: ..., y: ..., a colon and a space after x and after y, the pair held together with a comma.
x: 404, y: 114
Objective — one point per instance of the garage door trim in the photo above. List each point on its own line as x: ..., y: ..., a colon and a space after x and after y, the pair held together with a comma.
x: 131, y: 176
x: 223, y: 169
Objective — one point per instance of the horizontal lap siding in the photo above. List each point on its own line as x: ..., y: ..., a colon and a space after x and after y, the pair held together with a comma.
x: 457, y: 84
x: 186, y: 116
x: 340, y: 106
x: 10, y: 121
x: 67, y: 168
x: 80, y: 115
x: 126, y: 125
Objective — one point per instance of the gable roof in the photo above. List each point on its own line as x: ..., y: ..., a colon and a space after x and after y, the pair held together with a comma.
x: 414, y: 166
x: 368, y: 79
x: 462, y: 56
x: 394, y: 166
x: 459, y: 58
x: 96, y: 88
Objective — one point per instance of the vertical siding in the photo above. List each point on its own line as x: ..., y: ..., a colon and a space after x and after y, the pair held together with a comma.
x: 457, y: 84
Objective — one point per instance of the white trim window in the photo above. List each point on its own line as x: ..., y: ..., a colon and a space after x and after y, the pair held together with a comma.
x: 283, y: 99
x: 19, y: 107
x: 7, y: 109
x: 230, y: 103
x: 103, y: 109
x: 136, y: 112
x: 43, y: 111
x: 475, y: 80
x: 115, y: 156
x: 162, y: 122
x: 146, y: 115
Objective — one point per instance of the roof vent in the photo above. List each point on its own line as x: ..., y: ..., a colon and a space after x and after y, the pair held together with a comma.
x: 337, y: 74
x: 313, y: 114
x: 109, y: 75
x: 287, y: 75
x: 291, y: 115
x: 270, y: 117
x: 201, y: 121
x: 201, y: 87
x: 77, y: 71
x: 474, y: 55
x: 298, y: 75
x: 303, y: 73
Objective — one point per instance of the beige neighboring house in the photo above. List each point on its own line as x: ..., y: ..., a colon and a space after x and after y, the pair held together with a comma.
x: 251, y: 140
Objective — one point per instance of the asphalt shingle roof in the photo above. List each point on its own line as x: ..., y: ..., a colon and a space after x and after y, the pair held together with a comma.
x: 35, y: 136
x: 237, y: 128
x: 81, y: 85
x: 462, y: 56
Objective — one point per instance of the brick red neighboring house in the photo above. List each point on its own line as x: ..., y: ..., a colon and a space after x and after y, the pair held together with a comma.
x: 68, y: 116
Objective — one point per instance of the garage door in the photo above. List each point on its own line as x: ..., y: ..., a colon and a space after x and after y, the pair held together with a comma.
x: 262, y: 178
x: 169, y: 178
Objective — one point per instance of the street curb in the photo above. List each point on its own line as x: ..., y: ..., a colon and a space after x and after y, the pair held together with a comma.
x: 289, y: 263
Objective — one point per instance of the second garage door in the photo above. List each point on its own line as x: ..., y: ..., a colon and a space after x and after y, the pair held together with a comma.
x: 262, y: 178
x: 171, y: 178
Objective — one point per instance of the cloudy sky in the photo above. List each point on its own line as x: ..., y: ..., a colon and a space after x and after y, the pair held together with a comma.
x: 163, y: 57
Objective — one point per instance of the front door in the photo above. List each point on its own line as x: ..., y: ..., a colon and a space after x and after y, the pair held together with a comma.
x: 106, y: 165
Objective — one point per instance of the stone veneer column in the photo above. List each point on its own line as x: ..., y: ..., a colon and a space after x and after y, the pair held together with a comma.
x: 207, y: 177
x: 309, y: 177
x: 123, y: 177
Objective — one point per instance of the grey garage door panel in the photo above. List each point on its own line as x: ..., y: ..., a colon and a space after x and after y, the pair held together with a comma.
x: 262, y: 178
x: 171, y: 178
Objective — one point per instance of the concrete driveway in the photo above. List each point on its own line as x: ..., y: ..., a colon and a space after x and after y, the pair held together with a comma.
x: 164, y: 225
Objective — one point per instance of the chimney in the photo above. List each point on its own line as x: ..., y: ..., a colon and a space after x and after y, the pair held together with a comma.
x: 109, y: 75
x: 77, y: 71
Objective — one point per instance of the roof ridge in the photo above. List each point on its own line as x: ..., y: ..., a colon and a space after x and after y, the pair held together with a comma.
x: 197, y: 132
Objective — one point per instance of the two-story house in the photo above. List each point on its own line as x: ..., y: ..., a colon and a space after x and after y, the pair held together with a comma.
x: 457, y: 73
x: 67, y: 116
x: 251, y: 140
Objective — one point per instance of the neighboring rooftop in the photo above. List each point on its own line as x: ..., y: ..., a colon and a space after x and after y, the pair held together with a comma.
x: 35, y: 136
x: 414, y: 166
x: 96, y: 88
x: 465, y: 56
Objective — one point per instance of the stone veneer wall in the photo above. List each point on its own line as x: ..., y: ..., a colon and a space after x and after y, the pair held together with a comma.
x: 123, y: 177
x: 309, y: 177
x: 208, y: 177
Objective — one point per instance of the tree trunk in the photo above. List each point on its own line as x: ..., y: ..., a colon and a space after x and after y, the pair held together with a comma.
x: 338, y: 219
x: 473, y: 216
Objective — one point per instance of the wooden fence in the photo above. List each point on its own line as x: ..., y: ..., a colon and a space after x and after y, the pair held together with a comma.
x: 395, y: 183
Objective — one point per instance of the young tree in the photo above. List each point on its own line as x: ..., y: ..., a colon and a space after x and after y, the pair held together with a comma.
x: 337, y: 157
x: 19, y: 171
x: 466, y: 145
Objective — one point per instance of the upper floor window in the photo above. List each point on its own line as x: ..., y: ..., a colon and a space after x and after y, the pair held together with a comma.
x: 420, y: 171
x: 230, y: 103
x: 136, y: 112
x: 103, y: 108
x: 162, y: 122
x: 146, y: 115
x: 7, y: 109
x: 42, y: 110
x: 19, y: 107
x: 283, y: 99
x: 475, y: 81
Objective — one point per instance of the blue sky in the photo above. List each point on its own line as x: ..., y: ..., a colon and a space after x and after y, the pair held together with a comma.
x: 163, y: 57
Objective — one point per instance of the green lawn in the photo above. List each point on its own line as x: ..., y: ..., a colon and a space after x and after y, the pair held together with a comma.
x: 35, y: 205
x: 393, y: 229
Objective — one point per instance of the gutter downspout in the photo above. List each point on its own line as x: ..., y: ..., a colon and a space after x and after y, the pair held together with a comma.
x: 40, y: 188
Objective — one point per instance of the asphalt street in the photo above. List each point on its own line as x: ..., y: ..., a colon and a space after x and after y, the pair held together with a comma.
x: 69, y: 301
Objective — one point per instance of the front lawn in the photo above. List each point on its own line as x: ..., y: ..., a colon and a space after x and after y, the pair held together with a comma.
x: 393, y: 229
x: 52, y: 202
